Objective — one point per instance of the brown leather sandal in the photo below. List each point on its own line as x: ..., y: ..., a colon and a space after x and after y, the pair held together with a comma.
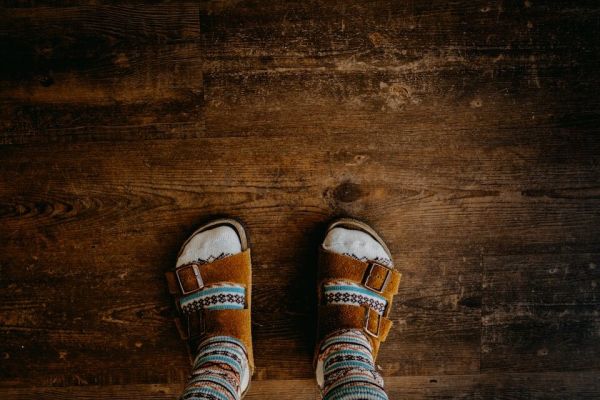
x: 190, y: 278
x: 373, y: 276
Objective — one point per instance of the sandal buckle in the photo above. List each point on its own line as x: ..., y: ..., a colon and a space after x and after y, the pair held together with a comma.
x: 373, y: 266
x: 368, y: 312
x: 196, y: 271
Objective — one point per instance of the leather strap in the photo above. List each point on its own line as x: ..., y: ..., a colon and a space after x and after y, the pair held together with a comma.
x: 234, y: 269
x: 333, y: 317
x: 234, y: 323
x: 375, y: 277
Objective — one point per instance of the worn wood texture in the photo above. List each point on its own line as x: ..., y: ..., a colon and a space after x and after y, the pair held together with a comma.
x: 465, y: 132
x: 498, y: 386
x: 100, y: 73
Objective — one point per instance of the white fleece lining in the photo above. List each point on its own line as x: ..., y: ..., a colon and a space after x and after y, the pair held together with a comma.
x: 357, y: 244
x: 209, y: 245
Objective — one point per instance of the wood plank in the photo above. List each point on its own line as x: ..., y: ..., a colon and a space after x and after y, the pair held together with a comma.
x: 74, y: 190
x: 84, y: 73
x: 414, y: 68
x: 84, y: 219
x: 540, y: 312
x: 465, y: 132
x: 574, y: 385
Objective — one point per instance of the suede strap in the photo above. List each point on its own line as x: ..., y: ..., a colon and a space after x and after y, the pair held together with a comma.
x: 334, y: 266
x: 344, y: 316
x: 333, y: 317
x: 232, y: 269
x: 233, y: 323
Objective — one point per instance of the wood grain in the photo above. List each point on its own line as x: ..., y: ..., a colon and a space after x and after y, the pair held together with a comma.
x: 466, y: 133
x: 582, y: 385
x: 117, y: 72
x: 539, y: 313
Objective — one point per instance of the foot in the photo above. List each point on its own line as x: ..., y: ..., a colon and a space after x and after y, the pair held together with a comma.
x: 212, y: 287
x: 356, y: 285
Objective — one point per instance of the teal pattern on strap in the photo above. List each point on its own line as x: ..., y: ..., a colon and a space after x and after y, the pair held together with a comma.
x: 353, y: 294
x: 215, y: 297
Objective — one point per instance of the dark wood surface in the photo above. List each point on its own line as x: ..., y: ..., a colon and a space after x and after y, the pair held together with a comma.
x: 466, y: 132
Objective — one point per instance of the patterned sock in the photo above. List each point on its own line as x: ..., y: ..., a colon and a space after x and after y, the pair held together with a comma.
x: 220, y: 370
x: 348, y: 368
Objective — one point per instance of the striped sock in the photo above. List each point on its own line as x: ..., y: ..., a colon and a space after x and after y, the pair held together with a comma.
x: 348, y: 368
x: 220, y: 370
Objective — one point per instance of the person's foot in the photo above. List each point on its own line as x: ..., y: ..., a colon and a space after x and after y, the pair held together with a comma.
x: 356, y: 285
x: 212, y: 287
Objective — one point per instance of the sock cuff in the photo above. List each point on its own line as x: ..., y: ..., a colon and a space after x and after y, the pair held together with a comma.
x: 348, y: 370
x: 219, y: 368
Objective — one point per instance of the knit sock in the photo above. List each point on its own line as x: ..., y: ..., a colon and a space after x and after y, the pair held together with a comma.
x: 356, y: 244
x: 220, y: 370
x: 210, y: 245
x: 345, y: 366
x: 348, y: 368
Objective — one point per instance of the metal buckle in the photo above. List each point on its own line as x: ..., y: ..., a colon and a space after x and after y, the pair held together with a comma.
x: 367, y: 275
x: 367, y: 318
x: 199, y: 280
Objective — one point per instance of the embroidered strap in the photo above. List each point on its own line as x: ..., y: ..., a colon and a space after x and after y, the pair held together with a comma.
x: 215, y: 297
x: 191, y: 278
x: 342, y: 292
x: 377, y: 278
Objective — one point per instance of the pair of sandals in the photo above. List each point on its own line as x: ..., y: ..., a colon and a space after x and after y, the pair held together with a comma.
x: 197, y: 325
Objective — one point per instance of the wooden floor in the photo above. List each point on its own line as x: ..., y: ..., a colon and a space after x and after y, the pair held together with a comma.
x: 466, y: 132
